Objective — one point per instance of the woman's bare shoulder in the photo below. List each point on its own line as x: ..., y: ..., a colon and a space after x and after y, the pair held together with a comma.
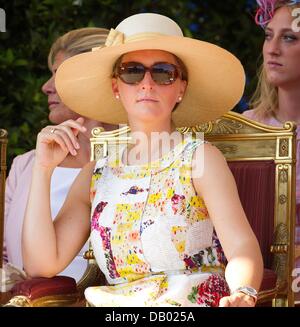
x: 208, y: 162
x: 208, y: 153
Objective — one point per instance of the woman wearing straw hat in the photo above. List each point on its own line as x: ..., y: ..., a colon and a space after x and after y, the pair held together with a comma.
x: 156, y: 214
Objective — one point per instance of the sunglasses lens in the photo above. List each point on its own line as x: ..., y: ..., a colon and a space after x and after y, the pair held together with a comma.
x: 164, y: 73
x: 131, y: 73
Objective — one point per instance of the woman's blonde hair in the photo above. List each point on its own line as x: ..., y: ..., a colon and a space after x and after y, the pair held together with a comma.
x: 265, y: 97
x: 78, y: 41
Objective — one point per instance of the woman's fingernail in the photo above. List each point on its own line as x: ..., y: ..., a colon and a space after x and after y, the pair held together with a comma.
x: 74, y: 152
x: 77, y: 146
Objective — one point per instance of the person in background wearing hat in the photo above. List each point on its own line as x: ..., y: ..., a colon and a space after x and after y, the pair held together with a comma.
x: 277, y: 97
x: 18, y: 182
x: 155, y: 213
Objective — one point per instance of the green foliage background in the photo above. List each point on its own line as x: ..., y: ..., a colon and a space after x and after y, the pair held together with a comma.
x: 32, y: 26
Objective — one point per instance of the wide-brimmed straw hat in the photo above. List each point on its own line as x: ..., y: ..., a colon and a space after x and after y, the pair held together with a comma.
x: 216, y: 77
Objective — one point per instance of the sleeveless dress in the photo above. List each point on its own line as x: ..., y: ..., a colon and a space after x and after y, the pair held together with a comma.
x: 152, y: 236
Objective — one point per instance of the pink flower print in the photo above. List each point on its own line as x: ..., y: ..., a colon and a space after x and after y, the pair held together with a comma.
x: 176, y: 201
x: 189, y: 263
x: 217, y: 245
x: 96, y: 215
x: 105, y: 234
x: 133, y: 236
x: 194, y: 262
x: 210, y: 291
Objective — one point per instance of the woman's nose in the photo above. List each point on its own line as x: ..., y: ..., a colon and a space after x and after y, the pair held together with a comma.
x: 147, y: 81
x: 273, y: 47
x: 49, y: 86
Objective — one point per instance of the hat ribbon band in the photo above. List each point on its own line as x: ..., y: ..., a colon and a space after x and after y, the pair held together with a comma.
x: 115, y: 37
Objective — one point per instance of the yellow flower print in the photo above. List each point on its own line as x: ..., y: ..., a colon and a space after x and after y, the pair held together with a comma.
x: 170, y: 193
x: 118, y: 238
x: 196, y: 202
x: 185, y: 175
x: 199, y: 209
x: 95, y: 178
x: 128, y: 176
x: 133, y: 215
x: 125, y: 271
x: 180, y: 246
x: 164, y: 284
x: 161, y: 286
x: 129, y: 272
x: 153, y: 198
x: 178, y: 238
x: 122, y: 228
x: 133, y: 259
x: 123, y: 207
x: 200, y: 214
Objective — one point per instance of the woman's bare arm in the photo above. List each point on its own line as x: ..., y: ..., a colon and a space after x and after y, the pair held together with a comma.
x: 49, y: 247
x: 218, y: 189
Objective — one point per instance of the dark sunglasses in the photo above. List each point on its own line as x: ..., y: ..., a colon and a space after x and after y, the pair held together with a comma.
x: 162, y: 73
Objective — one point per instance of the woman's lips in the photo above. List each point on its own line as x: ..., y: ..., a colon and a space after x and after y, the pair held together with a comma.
x: 147, y: 100
x: 52, y: 104
x: 273, y: 64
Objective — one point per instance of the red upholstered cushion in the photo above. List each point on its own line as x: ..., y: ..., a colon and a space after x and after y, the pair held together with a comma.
x: 38, y: 287
x: 256, y: 186
x: 269, y: 280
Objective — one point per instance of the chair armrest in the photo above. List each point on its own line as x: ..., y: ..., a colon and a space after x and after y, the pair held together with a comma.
x: 35, y: 292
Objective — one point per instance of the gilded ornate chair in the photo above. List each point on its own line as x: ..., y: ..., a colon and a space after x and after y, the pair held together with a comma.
x: 262, y: 160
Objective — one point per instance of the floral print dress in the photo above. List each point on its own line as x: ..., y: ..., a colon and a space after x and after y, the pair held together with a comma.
x: 152, y: 236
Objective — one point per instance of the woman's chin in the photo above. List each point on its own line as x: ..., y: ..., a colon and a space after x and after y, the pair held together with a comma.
x: 275, y: 81
x: 147, y: 112
x: 59, y: 115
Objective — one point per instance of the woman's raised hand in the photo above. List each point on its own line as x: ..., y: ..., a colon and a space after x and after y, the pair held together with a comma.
x: 54, y: 143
